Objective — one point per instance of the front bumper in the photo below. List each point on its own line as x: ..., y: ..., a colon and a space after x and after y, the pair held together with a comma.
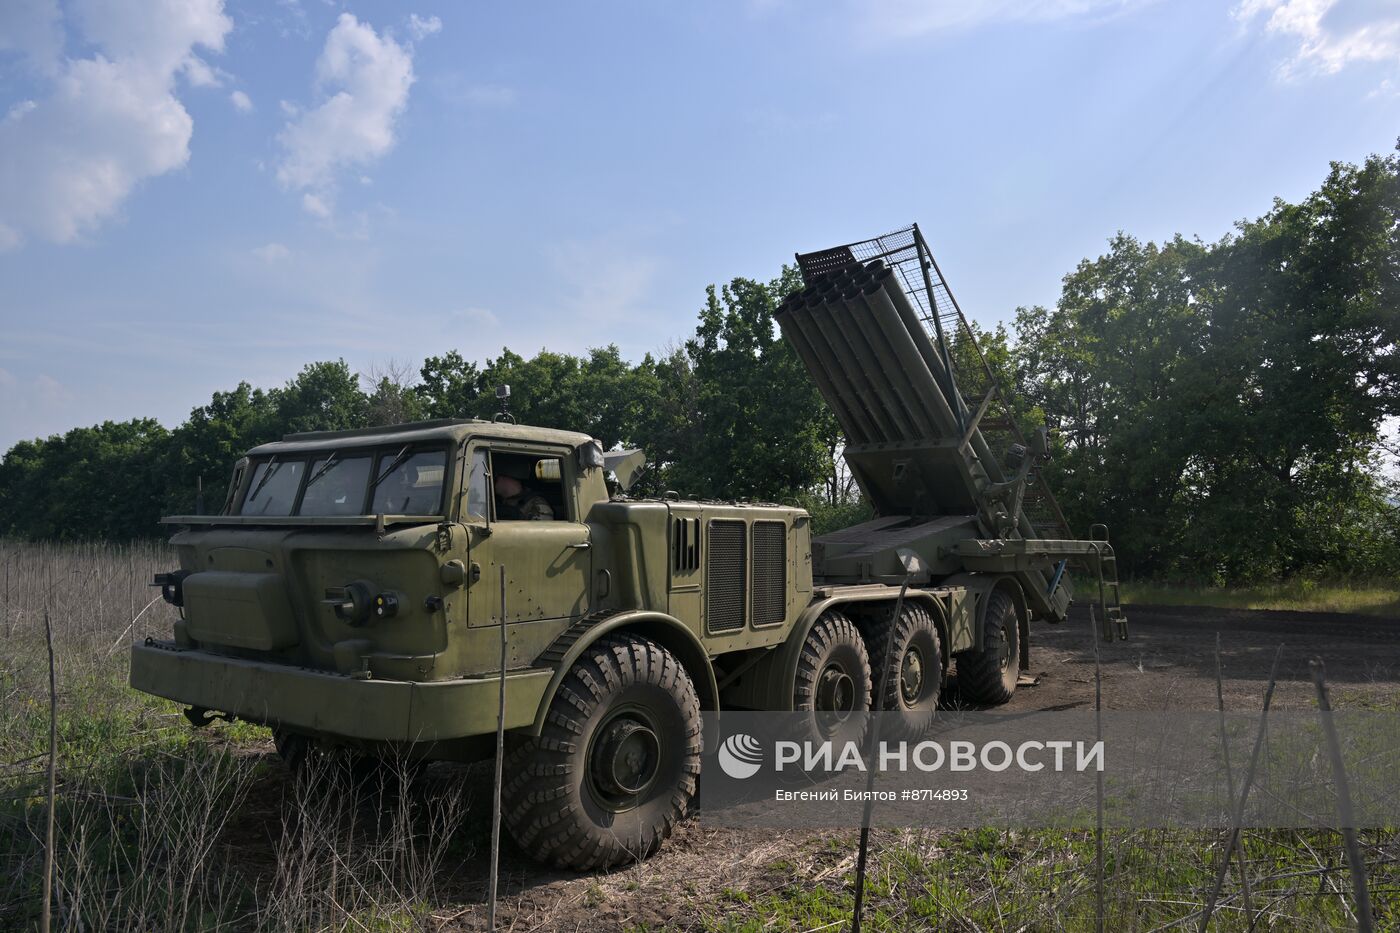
x: 327, y: 703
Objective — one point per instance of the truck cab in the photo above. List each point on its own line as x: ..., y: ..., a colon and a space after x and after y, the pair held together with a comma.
x: 353, y: 587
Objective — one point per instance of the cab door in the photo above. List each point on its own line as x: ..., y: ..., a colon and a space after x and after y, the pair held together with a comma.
x: 547, y: 561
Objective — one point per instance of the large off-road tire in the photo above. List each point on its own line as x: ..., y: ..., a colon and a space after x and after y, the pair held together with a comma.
x: 988, y: 676
x: 615, y: 765
x: 833, y: 680
x: 911, y: 685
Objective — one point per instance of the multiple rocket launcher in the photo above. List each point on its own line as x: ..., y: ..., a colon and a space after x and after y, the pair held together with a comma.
x: 914, y: 447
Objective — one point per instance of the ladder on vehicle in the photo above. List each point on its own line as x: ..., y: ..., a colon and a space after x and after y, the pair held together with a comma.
x: 1115, y: 623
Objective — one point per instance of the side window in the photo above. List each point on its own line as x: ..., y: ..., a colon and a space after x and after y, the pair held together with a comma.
x: 477, y: 501
x: 528, y: 487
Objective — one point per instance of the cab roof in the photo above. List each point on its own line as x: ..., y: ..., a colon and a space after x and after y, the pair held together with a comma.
x: 449, y: 430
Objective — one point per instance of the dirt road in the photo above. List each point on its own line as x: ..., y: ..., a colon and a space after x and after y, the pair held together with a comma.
x: 1168, y: 660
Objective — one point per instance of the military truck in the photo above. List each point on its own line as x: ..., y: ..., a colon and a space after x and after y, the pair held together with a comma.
x: 352, y: 590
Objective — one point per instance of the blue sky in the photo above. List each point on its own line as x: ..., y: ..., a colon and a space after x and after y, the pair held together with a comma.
x: 196, y: 192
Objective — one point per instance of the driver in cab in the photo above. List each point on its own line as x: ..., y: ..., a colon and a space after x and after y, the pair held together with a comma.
x: 517, y: 502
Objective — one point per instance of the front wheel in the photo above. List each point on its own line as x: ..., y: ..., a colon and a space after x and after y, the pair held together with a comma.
x: 614, y: 768
x: 988, y: 676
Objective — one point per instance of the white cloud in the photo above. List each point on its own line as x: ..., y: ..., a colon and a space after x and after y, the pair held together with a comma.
x: 1330, y: 34
x: 241, y: 102
x: 364, y: 78
x: 161, y: 34
x: 272, y: 252
x: 906, y: 18
x: 421, y: 28
x: 70, y: 159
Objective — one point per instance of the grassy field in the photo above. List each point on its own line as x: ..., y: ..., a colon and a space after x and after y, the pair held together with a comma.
x: 1368, y: 598
x: 160, y: 827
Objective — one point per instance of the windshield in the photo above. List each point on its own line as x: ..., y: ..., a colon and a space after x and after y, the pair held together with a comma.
x: 413, y: 486
x: 336, y: 486
x: 273, y: 489
x: 389, y: 481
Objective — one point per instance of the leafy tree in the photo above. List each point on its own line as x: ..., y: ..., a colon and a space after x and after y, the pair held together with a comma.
x: 205, y: 447
x: 450, y: 386
x: 97, y: 482
x: 323, y: 397
x: 764, y: 430
x: 1221, y: 404
x: 391, y: 395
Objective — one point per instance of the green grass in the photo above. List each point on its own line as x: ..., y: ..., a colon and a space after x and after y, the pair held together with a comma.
x: 1367, y: 598
x: 990, y: 879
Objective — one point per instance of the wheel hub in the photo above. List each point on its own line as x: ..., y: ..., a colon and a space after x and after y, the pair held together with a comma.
x: 911, y: 676
x: 836, y: 691
x: 625, y: 758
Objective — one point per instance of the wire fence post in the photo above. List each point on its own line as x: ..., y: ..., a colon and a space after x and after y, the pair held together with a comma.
x: 872, y: 745
x: 1237, y: 817
x: 1098, y: 778
x: 1229, y: 774
x: 500, y: 766
x: 1365, y: 923
x: 46, y: 913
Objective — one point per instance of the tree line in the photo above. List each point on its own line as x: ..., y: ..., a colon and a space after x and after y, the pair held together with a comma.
x: 1222, y: 406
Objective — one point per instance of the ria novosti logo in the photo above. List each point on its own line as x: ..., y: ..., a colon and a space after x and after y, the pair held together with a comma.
x: 740, y: 756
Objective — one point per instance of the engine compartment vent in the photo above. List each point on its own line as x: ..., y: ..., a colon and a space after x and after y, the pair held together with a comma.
x: 769, y: 572
x: 726, y: 576
x: 685, y: 544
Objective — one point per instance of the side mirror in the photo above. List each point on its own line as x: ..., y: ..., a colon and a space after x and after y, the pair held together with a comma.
x: 590, y: 455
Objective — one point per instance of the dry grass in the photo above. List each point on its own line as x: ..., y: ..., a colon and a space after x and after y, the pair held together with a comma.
x: 1378, y: 598
x: 147, y: 807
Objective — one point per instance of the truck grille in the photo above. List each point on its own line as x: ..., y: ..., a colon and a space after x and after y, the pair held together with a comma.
x: 725, y: 576
x: 769, y: 572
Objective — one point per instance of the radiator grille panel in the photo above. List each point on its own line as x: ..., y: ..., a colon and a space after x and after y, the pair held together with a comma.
x: 769, y: 572
x: 725, y: 576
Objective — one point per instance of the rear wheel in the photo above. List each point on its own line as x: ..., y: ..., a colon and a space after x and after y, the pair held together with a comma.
x: 911, y: 685
x: 614, y: 767
x: 989, y: 675
x: 833, y: 679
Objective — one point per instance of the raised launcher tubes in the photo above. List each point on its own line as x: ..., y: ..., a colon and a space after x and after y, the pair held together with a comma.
x: 915, y: 447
